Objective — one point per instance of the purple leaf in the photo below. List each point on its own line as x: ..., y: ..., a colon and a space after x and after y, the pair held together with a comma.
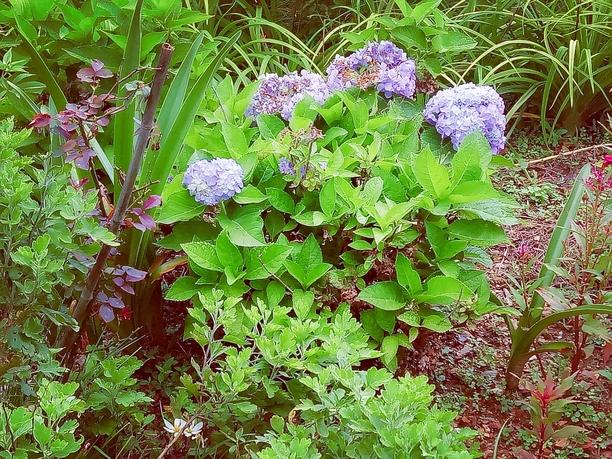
x: 116, y: 302
x: 97, y: 65
x: 102, y: 297
x: 128, y: 289
x: 106, y: 313
x: 152, y: 201
x: 134, y: 275
x: 118, y: 281
x: 147, y: 221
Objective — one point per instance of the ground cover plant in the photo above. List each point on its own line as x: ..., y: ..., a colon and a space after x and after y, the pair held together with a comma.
x: 201, y: 258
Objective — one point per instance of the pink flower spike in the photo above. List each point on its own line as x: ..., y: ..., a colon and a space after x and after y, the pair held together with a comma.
x: 152, y: 201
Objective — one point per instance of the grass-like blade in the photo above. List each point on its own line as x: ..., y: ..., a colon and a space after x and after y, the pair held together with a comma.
x: 554, y: 252
x: 173, y: 142
x: 123, y: 140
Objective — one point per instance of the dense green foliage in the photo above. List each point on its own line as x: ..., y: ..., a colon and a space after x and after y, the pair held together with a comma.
x: 305, y: 291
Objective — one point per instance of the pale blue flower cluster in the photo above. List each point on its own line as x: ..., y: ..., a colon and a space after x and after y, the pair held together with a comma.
x: 379, y: 64
x: 213, y: 181
x: 455, y: 112
x: 286, y: 167
x: 459, y: 111
x: 280, y: 94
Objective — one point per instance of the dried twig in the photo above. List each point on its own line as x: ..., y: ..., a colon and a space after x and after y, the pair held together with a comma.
x: 567, y: 153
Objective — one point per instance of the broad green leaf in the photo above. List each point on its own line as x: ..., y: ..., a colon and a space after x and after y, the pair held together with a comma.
x: 280, y: 200
x: 452, y: 41
x: 203, y: 254
x: 437, y: 323
x: 261, y: 263
x: 407, y: 276
x: 307, y: 264
x: 327, y: 198
x: 182, y: 289
x: 444, y: 290
x: 387, y: 295
x: 228, y: 254
x: 250, y: 195
x: 430, y: 174
x: 478, y: 232
x: 471, y: 160
x: 302, y: 303
x: 245, y: 227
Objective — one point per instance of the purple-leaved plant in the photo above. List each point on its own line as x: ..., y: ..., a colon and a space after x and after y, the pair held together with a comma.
x: 459, y: 111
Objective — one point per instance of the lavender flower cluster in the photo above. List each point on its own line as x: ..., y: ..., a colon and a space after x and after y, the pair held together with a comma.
x: 280, y: 94
x: 459, y: 111
x: 213, y: 181
x: 379, y: 64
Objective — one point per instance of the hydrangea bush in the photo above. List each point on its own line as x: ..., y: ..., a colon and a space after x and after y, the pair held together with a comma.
x: 459, y: 111
x: 354, y: 230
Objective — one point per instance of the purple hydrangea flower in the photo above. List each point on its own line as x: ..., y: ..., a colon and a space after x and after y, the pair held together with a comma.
x: 380, y: 64
x: 286, y: 167
x: 280, y: 94
x: 213, y: 181
x: 459, y: 111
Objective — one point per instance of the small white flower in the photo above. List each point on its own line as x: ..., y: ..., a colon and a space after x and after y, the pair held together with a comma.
x: 193, y: 430
x: 175, y: 428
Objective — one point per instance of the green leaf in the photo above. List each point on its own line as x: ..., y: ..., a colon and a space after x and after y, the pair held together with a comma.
x: 261, y: 263
x: 423, y: 9
x: 178, y: 88
x: 385, y: 319
x: 444, y: 290
x: 453, y: 41
x: 387, y: 295
x: 407, y: 276
x: 227, y: 253
x: 245, y: 227
x: 430, y: 174
x: 203, y: 254
x: 307, y: 265
x: 327, y: 198
x: 302, y: 303
x: 437, y: 323
x: 269, y: 126
x: 235, y: 140
x: 280, y: 200
x: 478, y: 232
x: 471, y: 160
x: 250, y: 195
x: 182, y: 289
x: 389, y: 347
x: 178, y: 205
